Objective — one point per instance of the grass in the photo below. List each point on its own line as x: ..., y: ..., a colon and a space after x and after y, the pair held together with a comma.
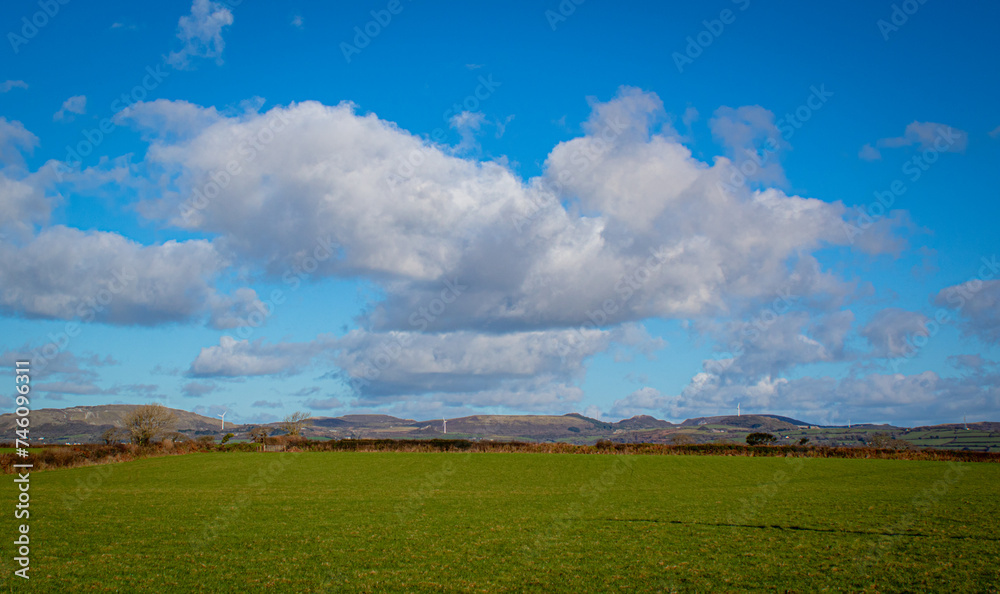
x: 372, y: 522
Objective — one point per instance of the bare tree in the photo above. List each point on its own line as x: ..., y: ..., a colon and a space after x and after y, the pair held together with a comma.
x: 112, y: 435
x: 681, y: 439
x: 258, y: 434
x: 293, y: 423
x: 147, y: 422
x: 883, y: 440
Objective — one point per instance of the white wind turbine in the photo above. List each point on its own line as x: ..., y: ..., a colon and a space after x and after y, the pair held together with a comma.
x: 223, y: 417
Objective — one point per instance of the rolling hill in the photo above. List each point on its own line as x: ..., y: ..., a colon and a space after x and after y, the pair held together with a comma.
x: 82, y: 424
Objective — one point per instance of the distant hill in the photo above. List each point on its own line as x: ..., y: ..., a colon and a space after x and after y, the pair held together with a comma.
x: 82, y: 424
x: 979, y: 426
x: 643, y: 422
x: 86, y: 423
x: 520, y: 426
x: 360, y: 421
x: 755, y: 422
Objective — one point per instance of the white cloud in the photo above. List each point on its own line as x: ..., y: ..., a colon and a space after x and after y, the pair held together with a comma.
x: 242, y: 308
x: 297, y: 21
x: 238, y: 358
x: 201, y: 33
x: 869, y: 153
x: 770, y: 345
x: 978, y: 303
x: 412, y: 216
x: 60, y: 371
x: 65, y: 273
x: 929, y: 135
x: 690, y: 116
x: 467, y: 123
x: 751, y: 135
x: 76, y: 104
x: 7, y: 85
x: 267, y: 404
x: 198, y: 389
x: 23, y: 204
x: 995, y: 132
x: 169, y: 121
x: 890, y: 330
x: 389, y: 365
x: 624, y: 224
x: 914, y: 399
x: 323, y: 404
x: 15, y: 139
x: 643, y: 401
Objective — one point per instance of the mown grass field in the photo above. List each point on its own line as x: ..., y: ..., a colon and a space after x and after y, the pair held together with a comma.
x: 451, y: 522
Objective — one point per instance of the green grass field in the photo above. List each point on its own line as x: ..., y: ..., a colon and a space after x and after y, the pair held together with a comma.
x: 374, y: 522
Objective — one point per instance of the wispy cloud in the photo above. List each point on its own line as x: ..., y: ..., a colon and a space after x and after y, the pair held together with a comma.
x: 927, y: 135
x: 201, y: 33
x: 7, y: 85
x: 869, y: 153
x: 76, y: 104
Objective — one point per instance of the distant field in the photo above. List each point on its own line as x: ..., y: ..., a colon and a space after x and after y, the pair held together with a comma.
x: 371, y: 522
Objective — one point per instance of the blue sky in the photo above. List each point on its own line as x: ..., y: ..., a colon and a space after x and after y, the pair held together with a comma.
x: 436, y: 209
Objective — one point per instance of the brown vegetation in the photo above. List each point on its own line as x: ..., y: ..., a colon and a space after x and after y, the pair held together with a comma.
x: 146, y: 423
x: 84, y: 455
x: 52, y: 457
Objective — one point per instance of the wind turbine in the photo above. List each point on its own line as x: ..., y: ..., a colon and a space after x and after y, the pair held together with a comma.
x: 737, y: 409
x: 445, y: 425
x: 223, y: 417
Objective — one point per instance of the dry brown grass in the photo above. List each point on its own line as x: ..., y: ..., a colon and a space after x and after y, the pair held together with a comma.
x: 90, y: 454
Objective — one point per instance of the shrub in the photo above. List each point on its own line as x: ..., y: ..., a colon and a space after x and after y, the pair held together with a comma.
x: 227, y: 437
x: 113, y: 435
x: 293, y: 423
x: 147, y: 422
x: 258, y: 434
x: 759, y: 438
